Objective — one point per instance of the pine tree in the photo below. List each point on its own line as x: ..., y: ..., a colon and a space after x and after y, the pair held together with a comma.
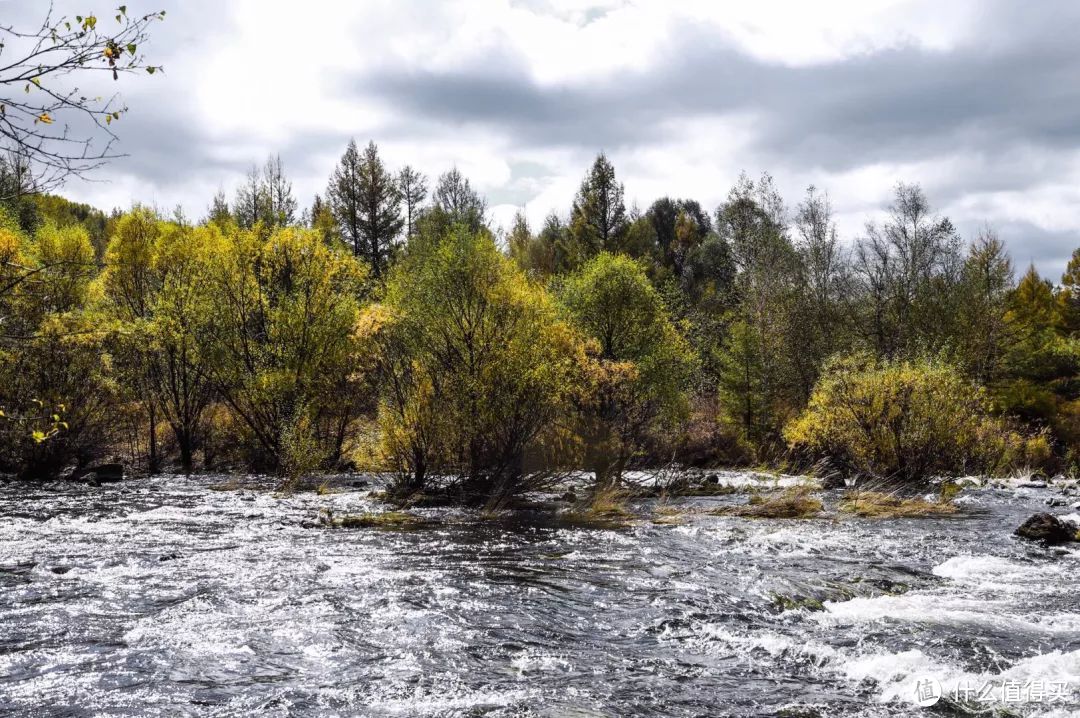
x: 598, y: 221
x: 414, y: 190
x: 380, y: 219
x: 344, y: 199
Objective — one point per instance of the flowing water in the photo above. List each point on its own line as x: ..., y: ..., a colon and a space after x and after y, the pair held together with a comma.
x: 162, y: 597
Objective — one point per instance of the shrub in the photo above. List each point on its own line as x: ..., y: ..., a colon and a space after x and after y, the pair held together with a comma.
x: 474, y: 366
x: 903, y: 420
x: 280, y: 336
x: 639, y: 364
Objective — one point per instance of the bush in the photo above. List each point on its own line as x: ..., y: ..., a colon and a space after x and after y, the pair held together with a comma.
x: 903, y: 420
x: 639, y: 366
x: 280, y: 338
x: 474, y: 366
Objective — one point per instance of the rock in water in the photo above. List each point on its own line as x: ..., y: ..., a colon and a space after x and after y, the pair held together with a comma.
x: 106, y: 473
x: 1047, y: 528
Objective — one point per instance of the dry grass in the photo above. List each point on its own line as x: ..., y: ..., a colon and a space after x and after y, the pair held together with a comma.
x: 671, y: 515
x: 384, y: 520
x: 606, y: 508
x: 881, y: 505
x: 793, y: 503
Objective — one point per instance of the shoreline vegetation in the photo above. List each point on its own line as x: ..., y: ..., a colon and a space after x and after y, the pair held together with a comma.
x: 390, y: 330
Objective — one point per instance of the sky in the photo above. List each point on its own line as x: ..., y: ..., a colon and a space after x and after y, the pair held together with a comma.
x: 977, y: 101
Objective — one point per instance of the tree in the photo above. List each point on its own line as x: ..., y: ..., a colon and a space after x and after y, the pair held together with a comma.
x: 57, y: 128
x: 641, y: 362
x: 475, y: 368
x: 151, y: 289
x: 279, y: 205
x: 280, y: 343
x: 456, y: 198
x: 322, y: 220
x: 249, y: 202
x: 821, y: 325
x: 412, y: 186
x: 218, y: 212
x: 598, y: 221
x: 52, y: 358
x: 1070, y: 295
x: 984, y: 336
x: 909, y: 271
x: 343, y: 195
x: 379, y: 218
x: 674, y: 245
x: 758, y: 382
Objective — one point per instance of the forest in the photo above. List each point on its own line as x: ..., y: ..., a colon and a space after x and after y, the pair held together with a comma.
x: 388, y: 328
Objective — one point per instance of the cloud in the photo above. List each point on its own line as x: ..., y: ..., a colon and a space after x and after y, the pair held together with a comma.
x: 975, y: 100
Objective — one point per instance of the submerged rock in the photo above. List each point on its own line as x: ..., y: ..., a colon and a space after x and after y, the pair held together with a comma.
x: 1047, y: 528
x: 103, y: 474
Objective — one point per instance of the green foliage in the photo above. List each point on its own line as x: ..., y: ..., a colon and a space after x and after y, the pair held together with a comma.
x: 151, y: 290
x: 640, y: 363
x: 56, y: 384
x: 903, y: 420
x: 475, y: 368
x: 599, y: 222
x: 280, y: 334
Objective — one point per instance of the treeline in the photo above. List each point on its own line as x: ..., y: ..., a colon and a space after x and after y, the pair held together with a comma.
x: 388, y: 327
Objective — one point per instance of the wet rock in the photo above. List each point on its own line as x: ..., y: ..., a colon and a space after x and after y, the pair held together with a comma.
x: 1048, y: 529
x: 569, y: 497
x: 60, y: 570
x: 1032, y: 485
x: 712, y: 479
x: 359, y: 484
x: 101, y: 474
x: 168, y: 557
x: 308, y: 525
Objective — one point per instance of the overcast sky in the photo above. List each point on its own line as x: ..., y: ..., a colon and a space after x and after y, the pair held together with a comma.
x: 979, y: 101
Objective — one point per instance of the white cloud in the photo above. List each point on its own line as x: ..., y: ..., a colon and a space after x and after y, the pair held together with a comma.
x: 245, y: 78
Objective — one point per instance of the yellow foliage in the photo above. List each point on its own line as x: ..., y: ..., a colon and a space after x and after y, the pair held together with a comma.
x: 902, y: 419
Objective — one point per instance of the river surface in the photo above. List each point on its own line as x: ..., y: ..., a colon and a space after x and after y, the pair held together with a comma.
x: 162, y: 597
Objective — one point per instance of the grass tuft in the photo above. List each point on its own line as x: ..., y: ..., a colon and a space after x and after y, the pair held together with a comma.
x: 383, y: 520
x: 881, y: 505
x: 793, y: 503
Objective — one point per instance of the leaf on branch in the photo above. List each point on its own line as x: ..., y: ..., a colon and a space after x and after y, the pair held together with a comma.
x: 39, y: 436
x: 46, y: 118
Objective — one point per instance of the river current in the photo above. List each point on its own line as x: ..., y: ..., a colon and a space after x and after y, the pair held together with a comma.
x: 162, y: 597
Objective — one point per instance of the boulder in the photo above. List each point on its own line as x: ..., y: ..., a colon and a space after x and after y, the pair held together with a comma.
x: 1048, y: 529
x: 105, y: 473
x: 712, y: 479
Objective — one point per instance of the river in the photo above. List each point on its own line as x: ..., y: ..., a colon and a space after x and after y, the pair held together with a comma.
x: 162, y: 597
